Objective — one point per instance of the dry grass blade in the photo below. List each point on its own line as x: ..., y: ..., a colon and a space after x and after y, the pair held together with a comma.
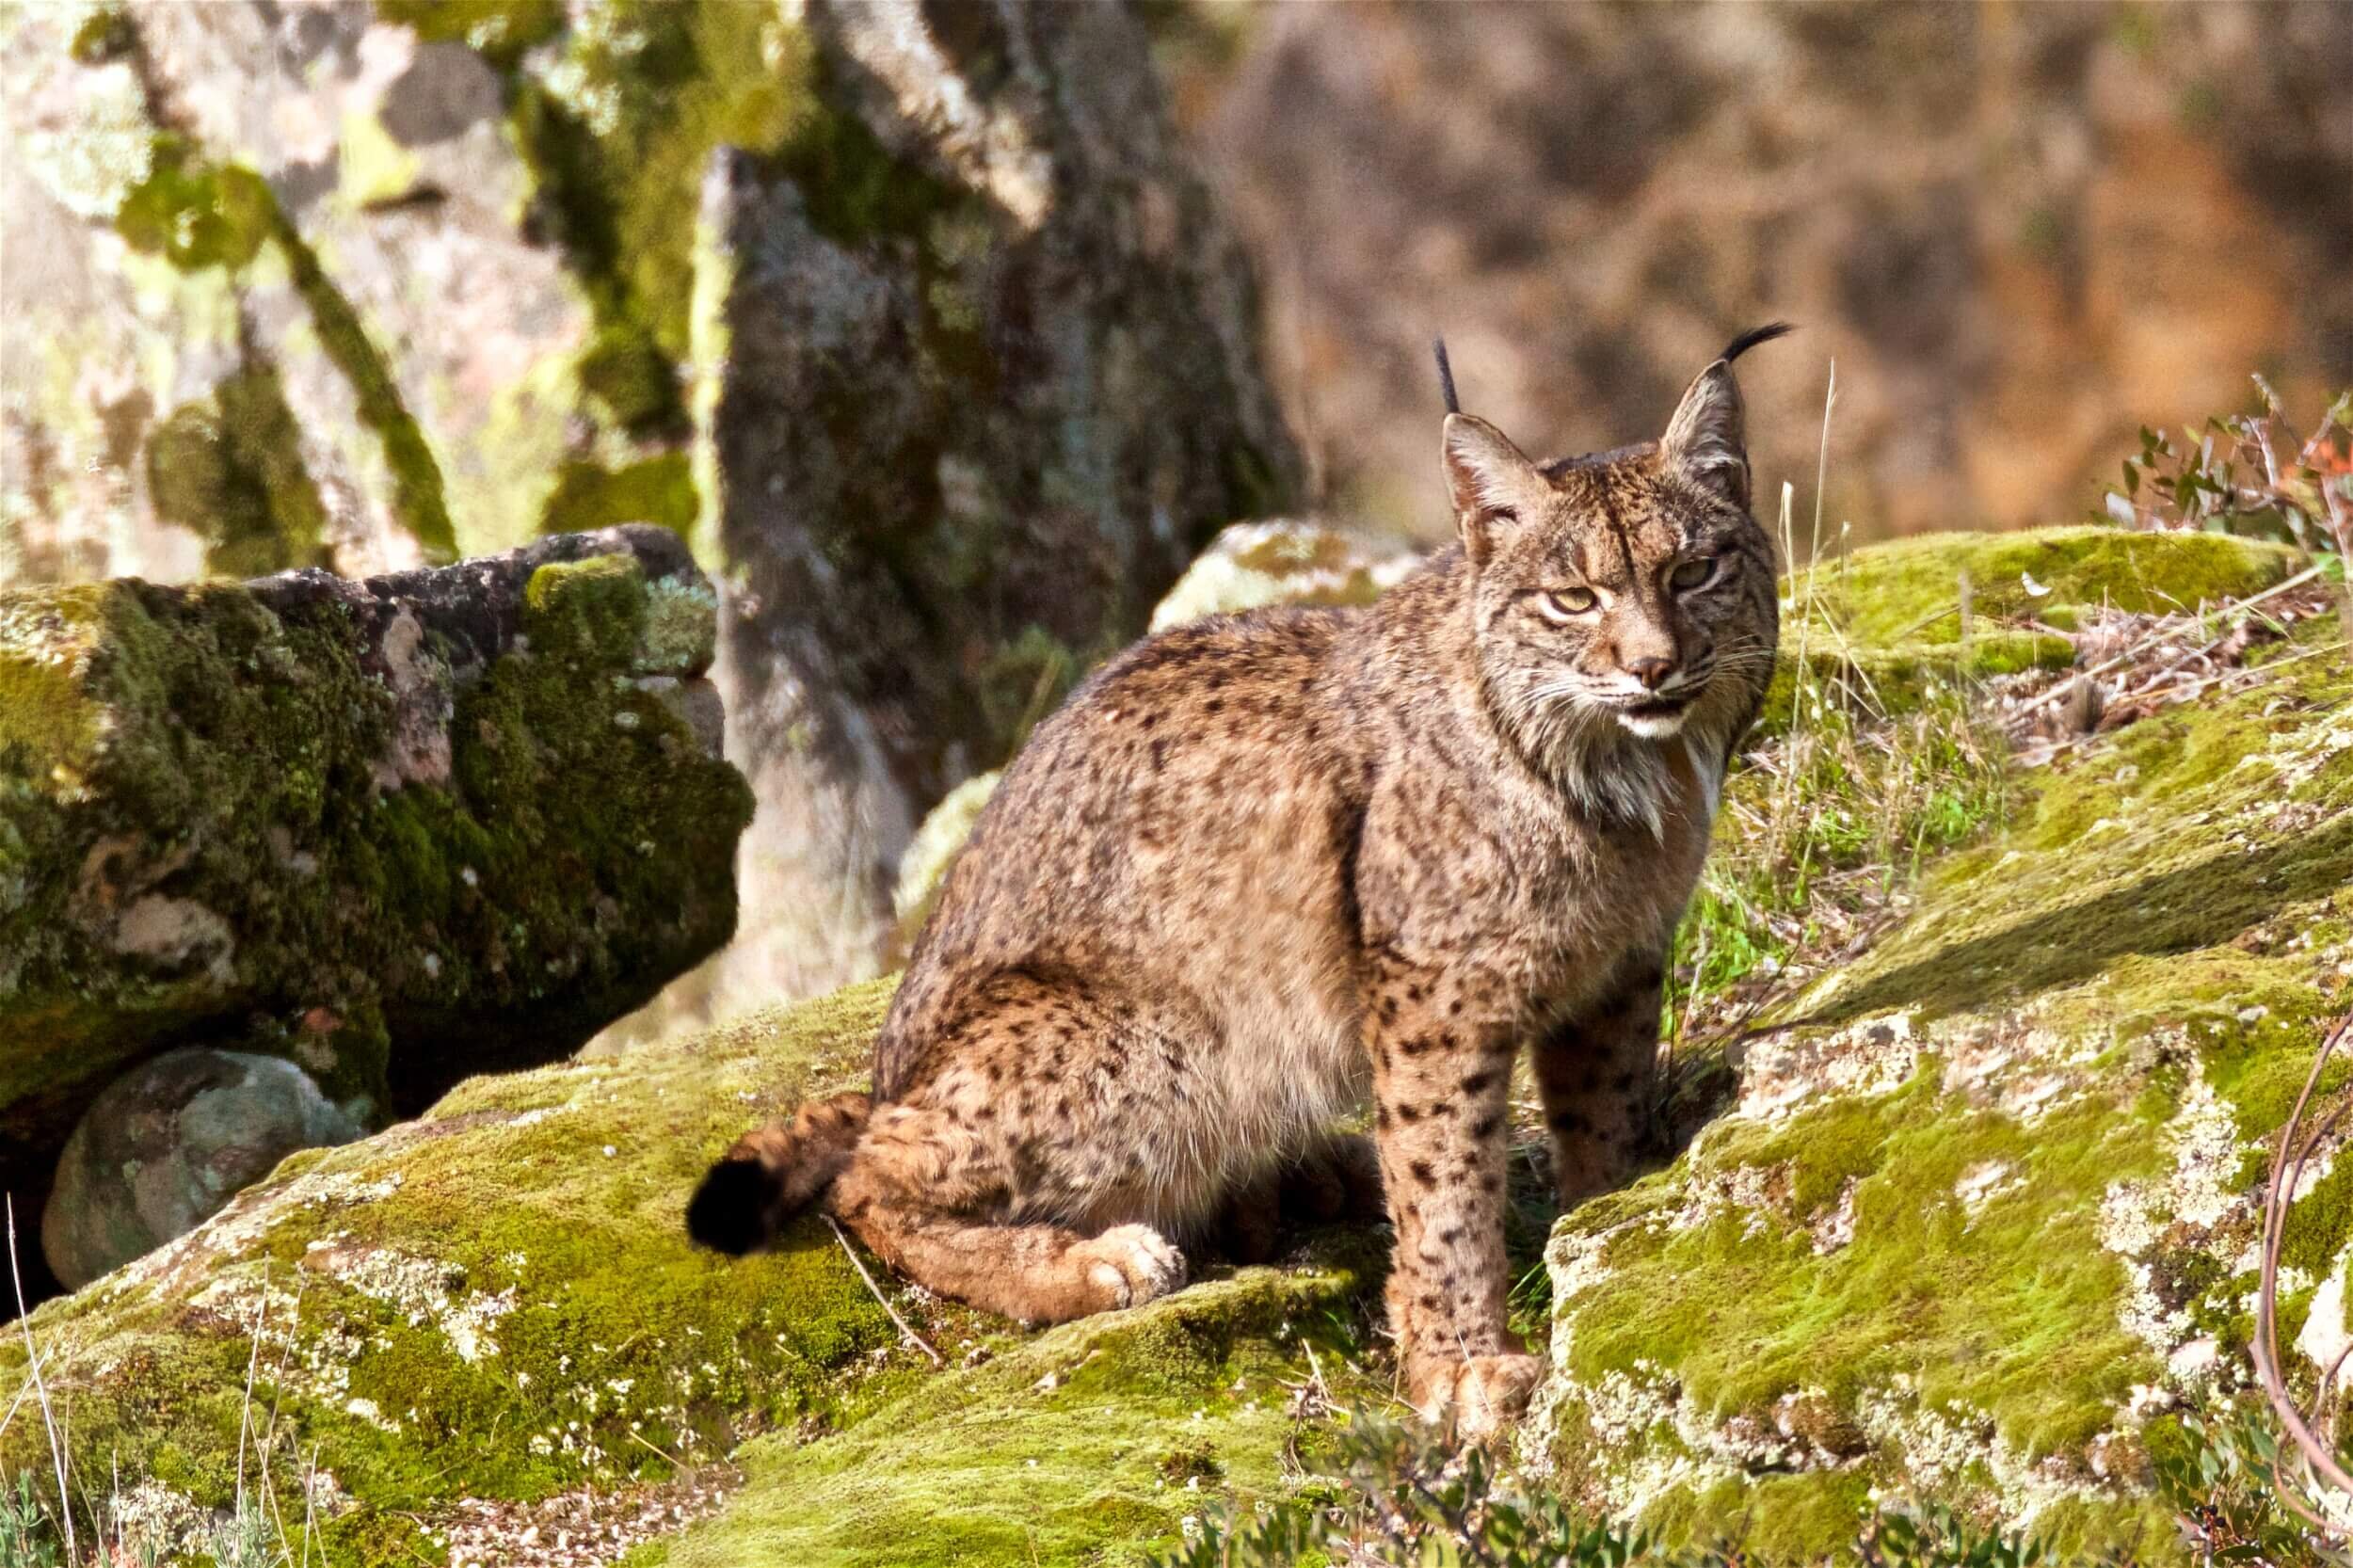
x: 41, y: 1389
x: 905, y: 1327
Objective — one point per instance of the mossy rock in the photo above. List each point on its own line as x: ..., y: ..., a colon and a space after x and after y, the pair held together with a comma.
x: 1881, y: 629
x: 497, y: 1303
x: 400, y: 830
x: 1284, y: 561
x: 1980, y: 1222
x: 1908, y: 590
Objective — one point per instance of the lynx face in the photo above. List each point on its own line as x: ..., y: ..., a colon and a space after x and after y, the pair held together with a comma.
x: 1628, y: 595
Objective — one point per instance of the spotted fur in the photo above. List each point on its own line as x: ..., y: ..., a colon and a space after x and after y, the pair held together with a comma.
x: 1260, y: 866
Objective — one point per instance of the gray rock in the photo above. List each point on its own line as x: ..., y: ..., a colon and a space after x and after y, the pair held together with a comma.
x: 171, y: 1141
x: 1035, y: 372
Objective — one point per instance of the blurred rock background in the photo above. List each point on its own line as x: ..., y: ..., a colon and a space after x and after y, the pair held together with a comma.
x: 2022, y: 230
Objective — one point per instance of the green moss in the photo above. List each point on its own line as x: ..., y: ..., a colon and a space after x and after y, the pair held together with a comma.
x: 855, y: 188
x: 1088, y: 1444
x: 197, y: 213
x: 107, y: 35
x: 500, y: 30
x: 636, y: 381
x: 1026, y: 679
x: 2150, y: 940
x: 229, y: 467
x: 589, y: 496
x: 194, y: 214
x: 48, y: 721
x: 505, y: 1289
x: 512, y: 1266
x: 2154, y: 844
x: 417, y: 500
x: 1896, y: 593
x: 672, y: 82
x: 591, y: 610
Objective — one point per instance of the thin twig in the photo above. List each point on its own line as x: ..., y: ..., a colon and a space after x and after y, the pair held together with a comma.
x: 2266, y: 1349
x: 918, y: 1340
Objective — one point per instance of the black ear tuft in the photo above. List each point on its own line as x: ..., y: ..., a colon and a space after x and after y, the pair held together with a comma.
x: 730, y: 1211
x: 1754, y: 336
x: 1446, y: 376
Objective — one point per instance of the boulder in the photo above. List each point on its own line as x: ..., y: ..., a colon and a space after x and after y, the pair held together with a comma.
x: 1280, y: 561
x: 169, y: 1143
x: 397, y: 831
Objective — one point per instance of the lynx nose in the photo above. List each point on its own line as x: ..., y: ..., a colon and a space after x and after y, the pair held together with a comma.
x: 1652, y: 673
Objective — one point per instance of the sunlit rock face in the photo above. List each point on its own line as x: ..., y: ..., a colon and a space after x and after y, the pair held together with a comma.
x: 946, y: 364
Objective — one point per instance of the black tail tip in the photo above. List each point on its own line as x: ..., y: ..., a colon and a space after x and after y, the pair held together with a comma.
x: 728, y: 1212
x: 1754, y: 336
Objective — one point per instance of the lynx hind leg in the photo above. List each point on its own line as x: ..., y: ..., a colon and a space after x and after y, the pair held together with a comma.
x: 1339, y: 1178
x: 1037, y: 1273
x: 1025, y: 1105
x: 1336, y: 1179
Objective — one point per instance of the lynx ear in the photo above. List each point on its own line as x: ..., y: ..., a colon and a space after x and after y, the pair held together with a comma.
x: 1707, y: 440
x: 1493, y: 484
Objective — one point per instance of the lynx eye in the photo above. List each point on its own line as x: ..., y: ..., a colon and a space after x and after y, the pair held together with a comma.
x: 1694, y: 573
x: 1563, y: 605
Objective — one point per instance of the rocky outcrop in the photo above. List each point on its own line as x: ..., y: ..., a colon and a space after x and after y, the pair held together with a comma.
x: 472, y: 1320
x: 1979, y: 1223
x: 397, y: 831
x: 945, y: 363
x: 1971, y: 1221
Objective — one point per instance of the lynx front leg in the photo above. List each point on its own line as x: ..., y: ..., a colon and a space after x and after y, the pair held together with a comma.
x: 1595, y: 1075
x: 1439, y: 1088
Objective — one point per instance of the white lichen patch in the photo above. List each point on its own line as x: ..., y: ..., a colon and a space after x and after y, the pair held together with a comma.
x: 1781, y: 1072
x: 2017, y: 1065
x: 1284, y: 561
x: 1983, y: 1182
x: 1833, y: 1227
x: 2197, y: 1195
x: 423, y: 1291
x: 1758, y: 1195
x: 157, y: 1523
x: 2324, y: 1338
x: 1939, y: 1446
x: 240, y: 1229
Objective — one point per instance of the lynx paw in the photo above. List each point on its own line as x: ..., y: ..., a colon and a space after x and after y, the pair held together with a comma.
x: 1480, y: 1394
x: 1131, y: 1265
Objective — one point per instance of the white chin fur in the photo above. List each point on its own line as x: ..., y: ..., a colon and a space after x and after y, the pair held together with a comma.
x: 1654, y: 727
